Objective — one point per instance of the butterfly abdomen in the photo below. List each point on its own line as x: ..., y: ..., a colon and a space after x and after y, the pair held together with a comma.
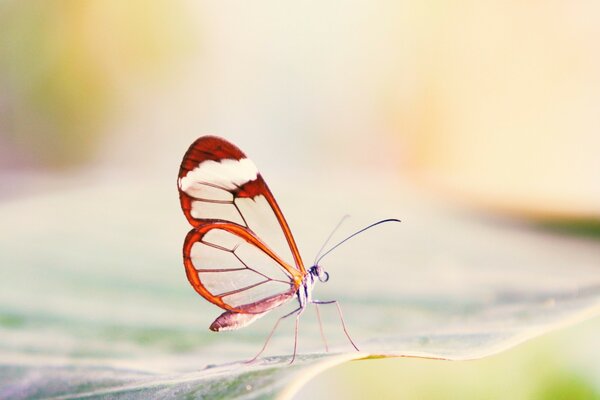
x: 229, y: 321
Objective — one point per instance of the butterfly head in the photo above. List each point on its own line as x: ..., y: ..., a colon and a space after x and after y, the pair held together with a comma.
x: 319, y: 272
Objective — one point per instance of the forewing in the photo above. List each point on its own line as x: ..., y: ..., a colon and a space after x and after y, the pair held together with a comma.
x: 232, y: 268
x: 218, y: 183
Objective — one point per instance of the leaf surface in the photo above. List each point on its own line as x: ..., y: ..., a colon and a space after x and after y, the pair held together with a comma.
x: 94, y: 301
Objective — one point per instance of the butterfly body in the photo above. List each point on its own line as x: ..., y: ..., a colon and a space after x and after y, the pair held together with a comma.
x: 236, y: 320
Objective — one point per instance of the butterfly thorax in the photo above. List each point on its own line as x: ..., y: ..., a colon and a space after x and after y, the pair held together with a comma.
x: 316, y: 272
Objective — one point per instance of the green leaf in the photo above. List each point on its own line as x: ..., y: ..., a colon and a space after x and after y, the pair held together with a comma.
x: 94, y: 301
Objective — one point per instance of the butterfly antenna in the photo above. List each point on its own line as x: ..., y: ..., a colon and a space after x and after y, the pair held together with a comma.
x: 330, y: 236
x: 356, y: 233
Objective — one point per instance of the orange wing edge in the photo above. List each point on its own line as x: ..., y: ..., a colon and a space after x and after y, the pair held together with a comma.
x: 258, y: 307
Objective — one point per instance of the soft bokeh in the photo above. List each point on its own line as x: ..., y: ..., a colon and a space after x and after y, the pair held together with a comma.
x: 488, y: 101
x: 491, y: 108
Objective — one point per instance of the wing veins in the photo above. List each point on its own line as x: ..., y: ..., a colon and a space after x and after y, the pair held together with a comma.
x: 216, y: 246
x: 211, y: 200
x: 214, y: 186
x: 239, y: 212
x: 243, y: 289
x: 260, y: 273
x: 219, y: 269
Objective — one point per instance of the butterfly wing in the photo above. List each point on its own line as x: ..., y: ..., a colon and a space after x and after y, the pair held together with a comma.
x: 226, y: 255
x: 233, y: 269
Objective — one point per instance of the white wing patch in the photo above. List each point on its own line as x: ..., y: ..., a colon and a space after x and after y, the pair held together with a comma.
x: 227, y: 173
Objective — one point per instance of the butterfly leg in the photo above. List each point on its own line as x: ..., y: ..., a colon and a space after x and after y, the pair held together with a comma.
x: 321, y: 327
x: 296, y: 311
x: 341, y: 318
x: 296, y: 333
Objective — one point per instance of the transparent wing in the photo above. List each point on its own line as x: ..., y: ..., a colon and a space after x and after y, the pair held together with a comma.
x: 232, y: 268
x: 218, y: 183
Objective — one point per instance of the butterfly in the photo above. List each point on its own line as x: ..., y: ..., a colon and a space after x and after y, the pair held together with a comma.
x: 240, y: 254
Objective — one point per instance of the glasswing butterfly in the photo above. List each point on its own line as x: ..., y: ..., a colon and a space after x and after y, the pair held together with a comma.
x: 240, y: 254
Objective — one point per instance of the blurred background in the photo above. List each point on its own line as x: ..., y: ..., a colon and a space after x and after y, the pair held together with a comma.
x: 492, y: 103
x: 487, y: 106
